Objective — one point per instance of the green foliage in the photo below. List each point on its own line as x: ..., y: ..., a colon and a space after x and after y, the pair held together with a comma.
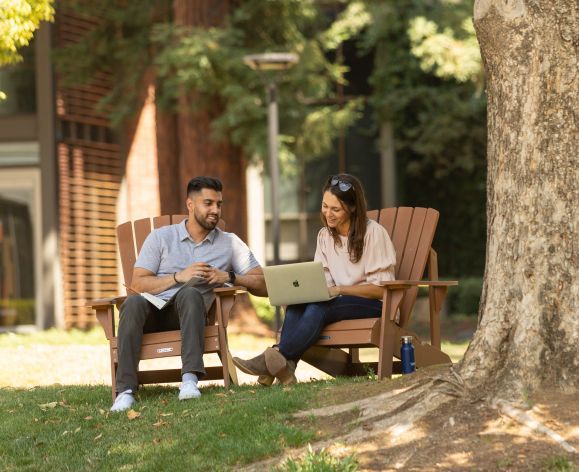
x: 264, y: 310
x: 19, y: 20
x: 119, y: 44
x: 465, y: 298
x: 560, y: 464
x: 427, y: 81
x: 210, y: 62
x: 319, y: 461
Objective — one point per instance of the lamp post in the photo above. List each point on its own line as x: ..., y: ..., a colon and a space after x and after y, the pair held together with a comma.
x: 273, y: 62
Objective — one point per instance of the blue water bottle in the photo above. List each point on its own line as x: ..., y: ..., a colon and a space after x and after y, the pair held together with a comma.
x: 407, y: 355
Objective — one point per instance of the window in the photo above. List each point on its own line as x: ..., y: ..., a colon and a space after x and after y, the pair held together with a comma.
x: 18, y: 247
x: 18, y: 82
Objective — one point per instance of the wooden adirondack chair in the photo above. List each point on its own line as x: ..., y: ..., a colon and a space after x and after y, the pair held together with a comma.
x: 412, y: 231
x: 131, y: 236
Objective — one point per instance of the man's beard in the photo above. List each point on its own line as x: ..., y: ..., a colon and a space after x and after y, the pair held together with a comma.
x: 208, y: 225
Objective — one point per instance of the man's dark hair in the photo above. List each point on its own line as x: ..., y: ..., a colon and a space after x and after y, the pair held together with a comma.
x: 198, y: 183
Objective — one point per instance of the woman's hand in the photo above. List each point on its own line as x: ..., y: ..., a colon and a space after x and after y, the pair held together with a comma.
x: 335, y: 291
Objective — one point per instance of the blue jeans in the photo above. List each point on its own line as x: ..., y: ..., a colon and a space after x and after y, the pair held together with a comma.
x: 303, y: 323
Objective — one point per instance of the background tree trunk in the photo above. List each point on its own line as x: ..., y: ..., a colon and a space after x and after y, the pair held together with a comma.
x: 528, y: 318
x: 199, y: 152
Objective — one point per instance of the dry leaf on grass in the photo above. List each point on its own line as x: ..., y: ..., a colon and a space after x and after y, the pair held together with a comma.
x: 132, y: 414
x: 98, y: 437
x: 160, y: 423
x: 88, y: 418
x: 165, y: 414
x: 46, y: 406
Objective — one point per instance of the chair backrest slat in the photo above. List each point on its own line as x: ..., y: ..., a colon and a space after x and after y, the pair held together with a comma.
x: 160, y: 221
x: 127, y: 251
x: 373, y: 215
x: 178, y: 218
x: 387, y: 218
x: 406, y: 262
x: 399, y: 233
x: 142, y: 230
x: 412, y: 231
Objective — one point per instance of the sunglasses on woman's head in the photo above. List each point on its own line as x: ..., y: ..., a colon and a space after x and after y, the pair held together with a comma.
x: 342, y: 184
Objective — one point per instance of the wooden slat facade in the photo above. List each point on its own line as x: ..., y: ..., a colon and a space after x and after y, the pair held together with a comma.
x: 89, y: 172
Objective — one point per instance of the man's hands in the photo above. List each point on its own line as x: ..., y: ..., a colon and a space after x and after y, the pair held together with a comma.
x: 201, y: 269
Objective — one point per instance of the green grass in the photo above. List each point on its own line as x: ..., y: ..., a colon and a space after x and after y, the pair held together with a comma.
x: 71, y: 428
x: 54, y: 337
x: 319, y: 461
x: 559, y: 464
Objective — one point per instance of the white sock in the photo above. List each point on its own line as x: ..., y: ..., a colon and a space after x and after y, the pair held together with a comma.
x: 190, y: 377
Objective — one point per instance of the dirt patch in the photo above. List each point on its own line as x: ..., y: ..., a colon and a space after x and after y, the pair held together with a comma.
x: 461, y: 435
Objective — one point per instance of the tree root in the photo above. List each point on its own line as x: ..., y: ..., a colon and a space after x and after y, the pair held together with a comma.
x: 391, y: 413
x: 519, y: 415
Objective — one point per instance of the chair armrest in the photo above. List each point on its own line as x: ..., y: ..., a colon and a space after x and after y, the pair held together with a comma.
x: 104, y: 302
x: 221, y: 291
x: 396, y: 284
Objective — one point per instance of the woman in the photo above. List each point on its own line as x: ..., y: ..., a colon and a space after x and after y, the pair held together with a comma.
x: 357, y: 255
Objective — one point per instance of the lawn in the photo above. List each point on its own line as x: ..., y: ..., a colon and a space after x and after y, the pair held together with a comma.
x: 62, y: 427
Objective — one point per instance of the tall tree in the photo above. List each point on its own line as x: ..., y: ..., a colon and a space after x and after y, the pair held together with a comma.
x: 528, y: 329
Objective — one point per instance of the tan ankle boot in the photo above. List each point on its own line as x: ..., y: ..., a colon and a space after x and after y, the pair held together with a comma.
x: 265, y: 380
x: 280, y: 367
x: 254, y: 366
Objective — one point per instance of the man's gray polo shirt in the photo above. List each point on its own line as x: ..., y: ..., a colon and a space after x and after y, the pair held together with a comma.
x: 170, y: 249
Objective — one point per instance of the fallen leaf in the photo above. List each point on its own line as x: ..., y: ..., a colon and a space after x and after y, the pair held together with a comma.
x: 164, y: 401
x: 77, y: 430
x: 88, y: 418
x: 98, y: 437
x: 160, y: 423
x: 222, y: 435
x: 252, y: 391
x: 102, y: 412
x: 132, y: 414
x: 166, y: 414
x: 156, y: 441
x: 65, y: 433
x: 46, y: 406
x: 220, y: 395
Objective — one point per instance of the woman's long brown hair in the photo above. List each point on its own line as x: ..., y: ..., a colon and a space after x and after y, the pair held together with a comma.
x: 354, y: 202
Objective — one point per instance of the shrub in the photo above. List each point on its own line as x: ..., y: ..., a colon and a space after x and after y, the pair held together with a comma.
x: 465, y: 298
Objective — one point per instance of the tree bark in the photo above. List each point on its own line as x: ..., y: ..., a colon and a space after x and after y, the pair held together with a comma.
x: 199, y: 152
x: 528, y: 333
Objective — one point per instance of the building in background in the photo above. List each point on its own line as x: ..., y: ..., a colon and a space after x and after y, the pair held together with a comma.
x: 67, y: 179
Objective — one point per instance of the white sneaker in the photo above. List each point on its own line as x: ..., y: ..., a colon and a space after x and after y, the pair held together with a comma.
x: 189, y: 390
x: 123, y: 402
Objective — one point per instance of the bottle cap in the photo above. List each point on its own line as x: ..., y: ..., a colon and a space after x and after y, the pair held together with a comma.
x: 407, y: 339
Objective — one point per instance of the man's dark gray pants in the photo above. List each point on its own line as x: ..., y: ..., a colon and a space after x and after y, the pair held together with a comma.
x: 138, y: 316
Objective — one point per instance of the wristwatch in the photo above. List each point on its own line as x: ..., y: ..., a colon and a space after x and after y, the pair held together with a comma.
x: 231, y: 277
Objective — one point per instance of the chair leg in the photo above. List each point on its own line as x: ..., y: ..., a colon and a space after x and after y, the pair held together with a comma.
x: 113, y: 376
x: 232, y: 369
x: 386, y: 352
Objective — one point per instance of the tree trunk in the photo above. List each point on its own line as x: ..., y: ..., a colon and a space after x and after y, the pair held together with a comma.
x: 528, y: 318
x: 199, y: 152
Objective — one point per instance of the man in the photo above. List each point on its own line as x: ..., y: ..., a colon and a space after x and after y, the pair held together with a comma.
x: 171, y: 256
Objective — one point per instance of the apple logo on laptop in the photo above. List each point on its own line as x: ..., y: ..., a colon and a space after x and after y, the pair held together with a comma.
x: 296, y: 283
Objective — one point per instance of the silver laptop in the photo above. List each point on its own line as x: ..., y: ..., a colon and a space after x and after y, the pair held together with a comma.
x: 290, y: 284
